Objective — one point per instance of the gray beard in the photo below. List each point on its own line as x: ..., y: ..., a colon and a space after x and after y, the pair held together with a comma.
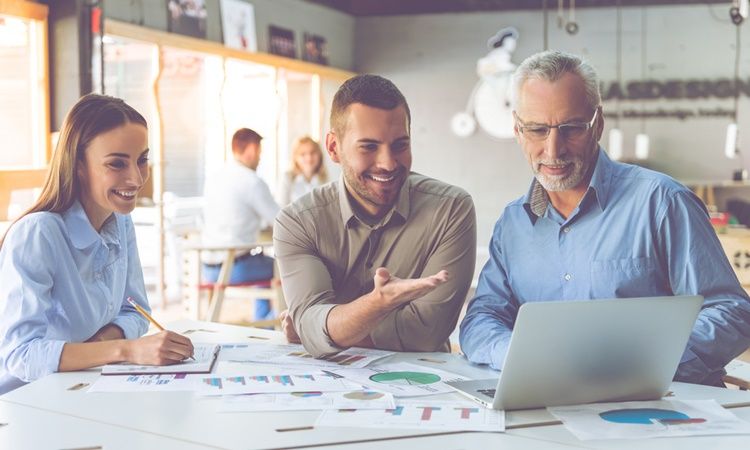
x: 558, y: 184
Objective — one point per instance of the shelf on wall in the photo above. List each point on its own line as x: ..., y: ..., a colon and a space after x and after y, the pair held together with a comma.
x: 130, y: 31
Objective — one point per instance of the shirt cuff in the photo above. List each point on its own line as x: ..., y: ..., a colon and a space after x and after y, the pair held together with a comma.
x: 43, y: 358
x: 692, y: 369
x: 132, y: 327
x: 498, y: 352
x: 313, y: 331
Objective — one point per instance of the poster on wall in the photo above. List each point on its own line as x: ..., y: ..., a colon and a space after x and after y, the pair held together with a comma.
x: 238, y: 25
x: 281, y: 41
x: 187, y: 17
x: 314, y: 49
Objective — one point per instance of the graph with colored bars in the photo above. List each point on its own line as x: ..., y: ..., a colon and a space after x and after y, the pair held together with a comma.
x: 465, y: 413
x: 154, y: 380
x: 440, y: 415
x: 342, y: 359
x: 249, y: 384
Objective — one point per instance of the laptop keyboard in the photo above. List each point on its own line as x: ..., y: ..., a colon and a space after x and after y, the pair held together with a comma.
x: 488, y: 392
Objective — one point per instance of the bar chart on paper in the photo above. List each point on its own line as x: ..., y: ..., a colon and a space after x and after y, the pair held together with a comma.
x: 142, y: 383
x: 271, y: 383
x: 442, y: 415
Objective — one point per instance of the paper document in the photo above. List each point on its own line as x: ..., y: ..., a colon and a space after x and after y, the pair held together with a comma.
x: 639, y: 420
x: 402, y: 379
x: 264, y: 380
x: 143, y: 383
x: 304, y: 401
x: 296, y: 354
x: 419, y: 414
x: 204, y: 357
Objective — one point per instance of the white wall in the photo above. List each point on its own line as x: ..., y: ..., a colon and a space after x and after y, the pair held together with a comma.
x: 432, y: 59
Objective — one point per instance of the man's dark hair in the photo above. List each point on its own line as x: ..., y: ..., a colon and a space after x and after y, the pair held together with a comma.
x: 370, y: 90
x: 243, y: 137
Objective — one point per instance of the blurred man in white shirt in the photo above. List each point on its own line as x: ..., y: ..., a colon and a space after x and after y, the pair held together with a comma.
x: 238, y: 204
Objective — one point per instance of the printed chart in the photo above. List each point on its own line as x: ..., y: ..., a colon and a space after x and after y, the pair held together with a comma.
x: 295, y: 354
x: 649, y: 416
x: 639, y: 420
x: 443, y: 415
x: 302, y: 401
x: 142, y: 383
x: 402, y: 379
x: 271, y: 383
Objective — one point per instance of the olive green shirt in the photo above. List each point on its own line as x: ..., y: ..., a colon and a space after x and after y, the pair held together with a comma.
x: 328, y: 256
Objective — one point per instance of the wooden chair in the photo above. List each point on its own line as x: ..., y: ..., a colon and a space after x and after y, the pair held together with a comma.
x: 15, y: 180
x: 270, y: 288
x: 738, y: 374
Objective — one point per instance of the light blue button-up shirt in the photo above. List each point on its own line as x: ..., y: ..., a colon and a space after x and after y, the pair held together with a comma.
x: 635, y: 233
x: 61, y: 281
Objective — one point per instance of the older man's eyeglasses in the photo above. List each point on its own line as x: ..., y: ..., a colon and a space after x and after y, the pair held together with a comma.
x: 568, y: 131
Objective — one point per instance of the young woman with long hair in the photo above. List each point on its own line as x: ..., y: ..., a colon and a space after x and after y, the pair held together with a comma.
x: 69, y: 263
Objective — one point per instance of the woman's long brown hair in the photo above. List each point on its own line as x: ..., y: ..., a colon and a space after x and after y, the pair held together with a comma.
x: 91, y: 116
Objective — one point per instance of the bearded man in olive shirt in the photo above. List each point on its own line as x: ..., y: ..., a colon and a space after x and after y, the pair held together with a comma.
x: 383, y: 257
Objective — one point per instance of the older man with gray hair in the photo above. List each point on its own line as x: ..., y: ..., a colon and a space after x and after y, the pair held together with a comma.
x: 593, y: 228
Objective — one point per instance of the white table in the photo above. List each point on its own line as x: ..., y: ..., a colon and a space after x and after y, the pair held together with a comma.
x: 195, y: 420
x: 25, y: 427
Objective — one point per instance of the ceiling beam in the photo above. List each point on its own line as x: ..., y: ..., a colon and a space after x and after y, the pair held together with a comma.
x: 405, y: 7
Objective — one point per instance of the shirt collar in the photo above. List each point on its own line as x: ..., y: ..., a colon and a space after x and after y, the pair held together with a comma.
x: 239, y: 164
x: 82, y: 233
x: 299, y: 178
x: 601, y: 179
x: 401, y: 208
x: 537, y: 200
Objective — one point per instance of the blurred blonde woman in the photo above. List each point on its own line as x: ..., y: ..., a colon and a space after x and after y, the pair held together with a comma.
x: 308, y: 171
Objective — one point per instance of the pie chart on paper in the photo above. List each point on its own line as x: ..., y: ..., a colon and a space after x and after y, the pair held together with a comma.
x: 405, y: 378
x: 363, y: 395
x: 648, y: 416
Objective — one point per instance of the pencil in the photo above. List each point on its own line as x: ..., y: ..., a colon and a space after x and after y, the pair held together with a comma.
x: 144, y: 313
x: 148, y: 316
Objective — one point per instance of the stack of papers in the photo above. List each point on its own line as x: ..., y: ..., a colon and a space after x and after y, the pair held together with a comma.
x: 296, y: 354
x: 284, y: 377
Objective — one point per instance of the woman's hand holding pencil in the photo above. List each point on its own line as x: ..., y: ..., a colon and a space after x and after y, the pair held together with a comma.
x: 163, y: 348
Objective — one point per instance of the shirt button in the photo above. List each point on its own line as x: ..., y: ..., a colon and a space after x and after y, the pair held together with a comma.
x: 568, y: 277
x: 566, y: 230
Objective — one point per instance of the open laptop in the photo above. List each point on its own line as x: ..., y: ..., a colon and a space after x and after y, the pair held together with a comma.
x: 568, y: 353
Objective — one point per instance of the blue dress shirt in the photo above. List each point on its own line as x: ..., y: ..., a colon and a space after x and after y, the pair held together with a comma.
x: 61, y: 281
x: 635, y: 233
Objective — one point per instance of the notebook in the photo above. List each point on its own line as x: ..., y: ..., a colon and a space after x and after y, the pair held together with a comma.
x: 204, y: 354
